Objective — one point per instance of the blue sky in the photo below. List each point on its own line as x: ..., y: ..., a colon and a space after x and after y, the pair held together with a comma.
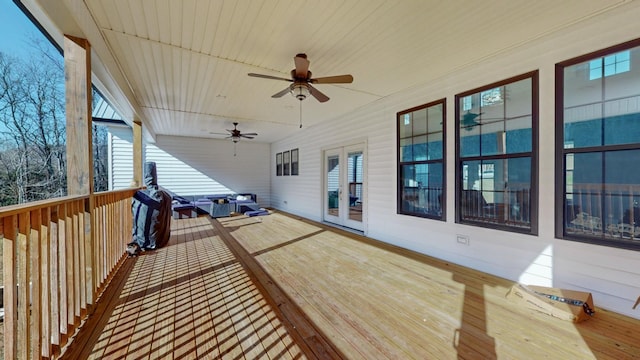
x: 15, y: 29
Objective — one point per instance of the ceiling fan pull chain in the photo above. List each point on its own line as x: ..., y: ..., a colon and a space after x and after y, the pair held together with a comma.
x: 300, y: 114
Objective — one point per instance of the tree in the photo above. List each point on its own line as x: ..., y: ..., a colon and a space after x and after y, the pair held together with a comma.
x: 32, y: 129
x: 16, y: 126
x: 100, y: 158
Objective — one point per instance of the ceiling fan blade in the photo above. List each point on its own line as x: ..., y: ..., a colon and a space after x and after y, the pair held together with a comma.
x: 281, y: 93
x: 249, y: 134
x: 216, y: 133
x: 339, y: 79
x: 317, y: 94
x: 302, y: 66
x: 246, y: 136
x: 269, y: 77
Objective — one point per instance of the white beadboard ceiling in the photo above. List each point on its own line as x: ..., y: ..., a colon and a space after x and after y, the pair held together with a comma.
x: 181, y: 66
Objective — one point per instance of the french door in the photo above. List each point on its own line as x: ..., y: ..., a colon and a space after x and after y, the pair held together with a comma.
x: 344, y: 186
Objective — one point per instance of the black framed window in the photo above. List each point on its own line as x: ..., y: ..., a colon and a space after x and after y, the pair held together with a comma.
x: 294, y: 162
x: 285, y: 162
x: 598, y: 147
x: 279, y: 164
x: 421, y: 160
x: 496, y: 155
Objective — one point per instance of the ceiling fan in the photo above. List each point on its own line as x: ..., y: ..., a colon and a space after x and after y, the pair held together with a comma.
x: 301, y: 81
x: 235, y: 135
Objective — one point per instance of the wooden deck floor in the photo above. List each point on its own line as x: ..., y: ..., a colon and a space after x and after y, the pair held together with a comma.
x: 278, y: 287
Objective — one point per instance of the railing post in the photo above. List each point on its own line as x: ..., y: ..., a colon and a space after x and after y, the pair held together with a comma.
x: 77, y: 58
x: 77, y: 71
x: 137, y: 153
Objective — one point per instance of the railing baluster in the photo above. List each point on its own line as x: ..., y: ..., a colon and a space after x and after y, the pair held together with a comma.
x: 100, y: 241
x: 22, y: 254
x: 64, y: 272
x: 45, y: 304
x: 9, y: 261
x: 34, y: 284
x: 54, y: 276
x: 110, y: 244
x: 76, y: 265
x: 81, y: 297
x: 88, y: 265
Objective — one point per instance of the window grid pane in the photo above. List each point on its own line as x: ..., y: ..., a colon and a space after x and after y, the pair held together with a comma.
x: 421, y: 153
x: 496, y: 157
x: 601, y: 131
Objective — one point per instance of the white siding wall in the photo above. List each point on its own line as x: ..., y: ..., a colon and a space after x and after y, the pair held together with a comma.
x: 612, y: 275
x: 196, y: 166
x: 179, y: 177
x: 214, y: 168
x: 120, y: 160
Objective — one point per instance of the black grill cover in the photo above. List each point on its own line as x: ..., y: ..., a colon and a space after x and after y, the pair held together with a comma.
x: 151, y: 209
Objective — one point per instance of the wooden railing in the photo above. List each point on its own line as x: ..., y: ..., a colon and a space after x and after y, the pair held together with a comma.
x: 58, y: 256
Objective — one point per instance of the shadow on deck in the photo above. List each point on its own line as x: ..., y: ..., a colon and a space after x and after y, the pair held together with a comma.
x: 281, y: 287
x: 191, y: 299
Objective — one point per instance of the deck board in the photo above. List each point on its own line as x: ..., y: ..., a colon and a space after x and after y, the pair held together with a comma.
x: 281, y: 287
x: 374, y: 300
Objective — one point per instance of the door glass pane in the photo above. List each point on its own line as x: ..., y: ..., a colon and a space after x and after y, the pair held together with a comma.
x: 355, y: 177
x: 333, y: 185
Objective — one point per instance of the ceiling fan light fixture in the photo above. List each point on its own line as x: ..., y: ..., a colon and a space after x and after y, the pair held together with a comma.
x: 300, y: 91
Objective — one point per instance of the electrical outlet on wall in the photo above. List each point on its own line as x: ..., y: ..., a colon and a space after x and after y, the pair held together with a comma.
x: 462, y: 239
